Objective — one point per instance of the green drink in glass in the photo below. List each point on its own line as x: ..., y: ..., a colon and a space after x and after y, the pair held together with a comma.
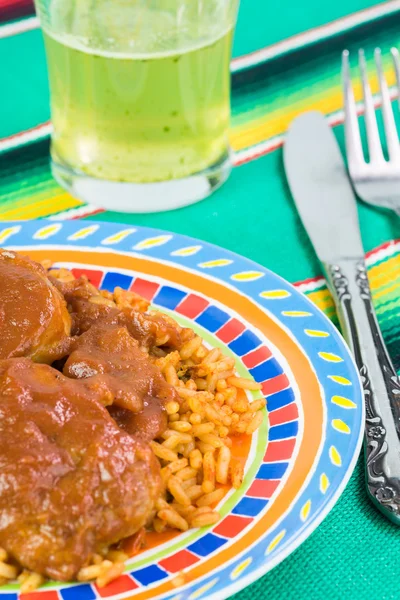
x: 140, y: 99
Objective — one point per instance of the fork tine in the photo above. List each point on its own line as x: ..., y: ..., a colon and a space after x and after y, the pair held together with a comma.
x: 373, y: 138
x: 392, y: 138
x: 396, y: 62
x: 352, y: 132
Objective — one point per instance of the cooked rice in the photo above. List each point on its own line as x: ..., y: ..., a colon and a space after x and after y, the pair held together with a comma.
x: 194, y: 452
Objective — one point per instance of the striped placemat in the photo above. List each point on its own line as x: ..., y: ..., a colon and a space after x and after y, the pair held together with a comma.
x: 384, y: 275
x: 270, y: 87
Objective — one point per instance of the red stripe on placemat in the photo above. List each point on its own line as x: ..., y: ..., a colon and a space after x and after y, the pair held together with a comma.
x: 146, y: 289
x: 256, y: 357
x: 230, y: 330
x: 90, y: 213
x: 307, y: 281
x: 12, y: 9
x: 283, y: 415
x: 382, y: 247
x: 192, y: 306
x: 279, y: 450
x: 262, y: 488
x: 274, y: 385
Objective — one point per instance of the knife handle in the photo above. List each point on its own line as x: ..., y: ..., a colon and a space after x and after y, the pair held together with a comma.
x: 348, y: 282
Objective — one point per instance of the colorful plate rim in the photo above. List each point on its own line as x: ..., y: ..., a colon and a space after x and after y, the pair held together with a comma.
x: 285, y: 305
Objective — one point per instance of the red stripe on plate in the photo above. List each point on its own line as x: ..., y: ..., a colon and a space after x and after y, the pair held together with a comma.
x: 232, y: 526
x: 262, y: 488
x: 274, y: 385
x: 179, y: 561
x: 192, y: 306
x: 256, y: 357
x: 144, y: 288
x: 118, y: 586
x: 95, y: 277
x: 230, y: 330
x: 40, y: 595
x: 279, y: 450
x: 283, y: 415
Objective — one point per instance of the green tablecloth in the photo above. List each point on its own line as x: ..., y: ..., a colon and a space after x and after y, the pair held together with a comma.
x: 353, y: 554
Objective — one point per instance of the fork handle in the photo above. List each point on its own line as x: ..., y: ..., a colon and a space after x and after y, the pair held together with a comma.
x: 348, y: 281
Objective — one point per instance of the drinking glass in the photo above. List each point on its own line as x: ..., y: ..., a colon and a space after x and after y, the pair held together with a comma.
x: 140, y: 99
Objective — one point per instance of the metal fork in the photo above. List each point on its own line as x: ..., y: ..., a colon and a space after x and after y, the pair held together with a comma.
x: 377, y: 181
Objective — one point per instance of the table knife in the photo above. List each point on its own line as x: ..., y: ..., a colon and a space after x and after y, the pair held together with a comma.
x: 327, y: 206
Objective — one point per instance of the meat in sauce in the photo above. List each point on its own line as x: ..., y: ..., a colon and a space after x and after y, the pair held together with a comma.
x: 72, y: 482
x: 110, y: 359
x: 87, y: 308
x: 76, y: 472
x: 34, y: 320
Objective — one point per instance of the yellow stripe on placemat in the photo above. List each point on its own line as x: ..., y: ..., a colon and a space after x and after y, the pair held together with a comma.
x: 322, y: 299
x: 43, y: 208
x: 385, y: 278
x: 275, y: 123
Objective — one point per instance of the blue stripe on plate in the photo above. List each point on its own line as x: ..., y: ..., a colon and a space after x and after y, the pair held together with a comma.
x: 280, y: 432
x: 249, y: 507
x: 280, y: 399
x: 77, y: 592
x: 272, y: 470
x: 169, y: 297
x: 245, y: 343
x: 212, y: 318
x: 207, y: 544
x: 266, y: 370
x: 149, y: 574
x: 112, y: 280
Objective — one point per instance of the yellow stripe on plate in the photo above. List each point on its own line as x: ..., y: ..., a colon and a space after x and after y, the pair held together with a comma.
x: 277, y: 539
x: 296, y: 313
x: 152, y: 242
x: 339, y: 379
x: 219, y: 262
x: 341, y: 426
x: 305, y: 510
x: 188, y: 251
x: 324, y: 483
x: 335, y: 457
x: 8, y: 232
x: 330, y: 357
x: 237, y: 571
x: 316, y: 333
x: 275, y: 294
x: 343, y: 402
x: 118, y: 237
x: 83, y: 233
x: 247, y: 276
x: 205, y: 588
x: 48, y: 231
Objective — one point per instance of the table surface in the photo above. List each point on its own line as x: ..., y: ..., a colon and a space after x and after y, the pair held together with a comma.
x: 354, y: 552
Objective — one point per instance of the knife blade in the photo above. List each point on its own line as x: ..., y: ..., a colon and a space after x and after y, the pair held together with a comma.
x: 327, y: 206
x: 321, y: 190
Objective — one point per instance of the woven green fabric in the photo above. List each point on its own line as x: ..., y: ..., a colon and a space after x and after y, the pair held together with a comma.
x: 354, y: 552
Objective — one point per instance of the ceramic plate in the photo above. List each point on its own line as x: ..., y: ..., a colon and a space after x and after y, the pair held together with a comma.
x: 301, y: 458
